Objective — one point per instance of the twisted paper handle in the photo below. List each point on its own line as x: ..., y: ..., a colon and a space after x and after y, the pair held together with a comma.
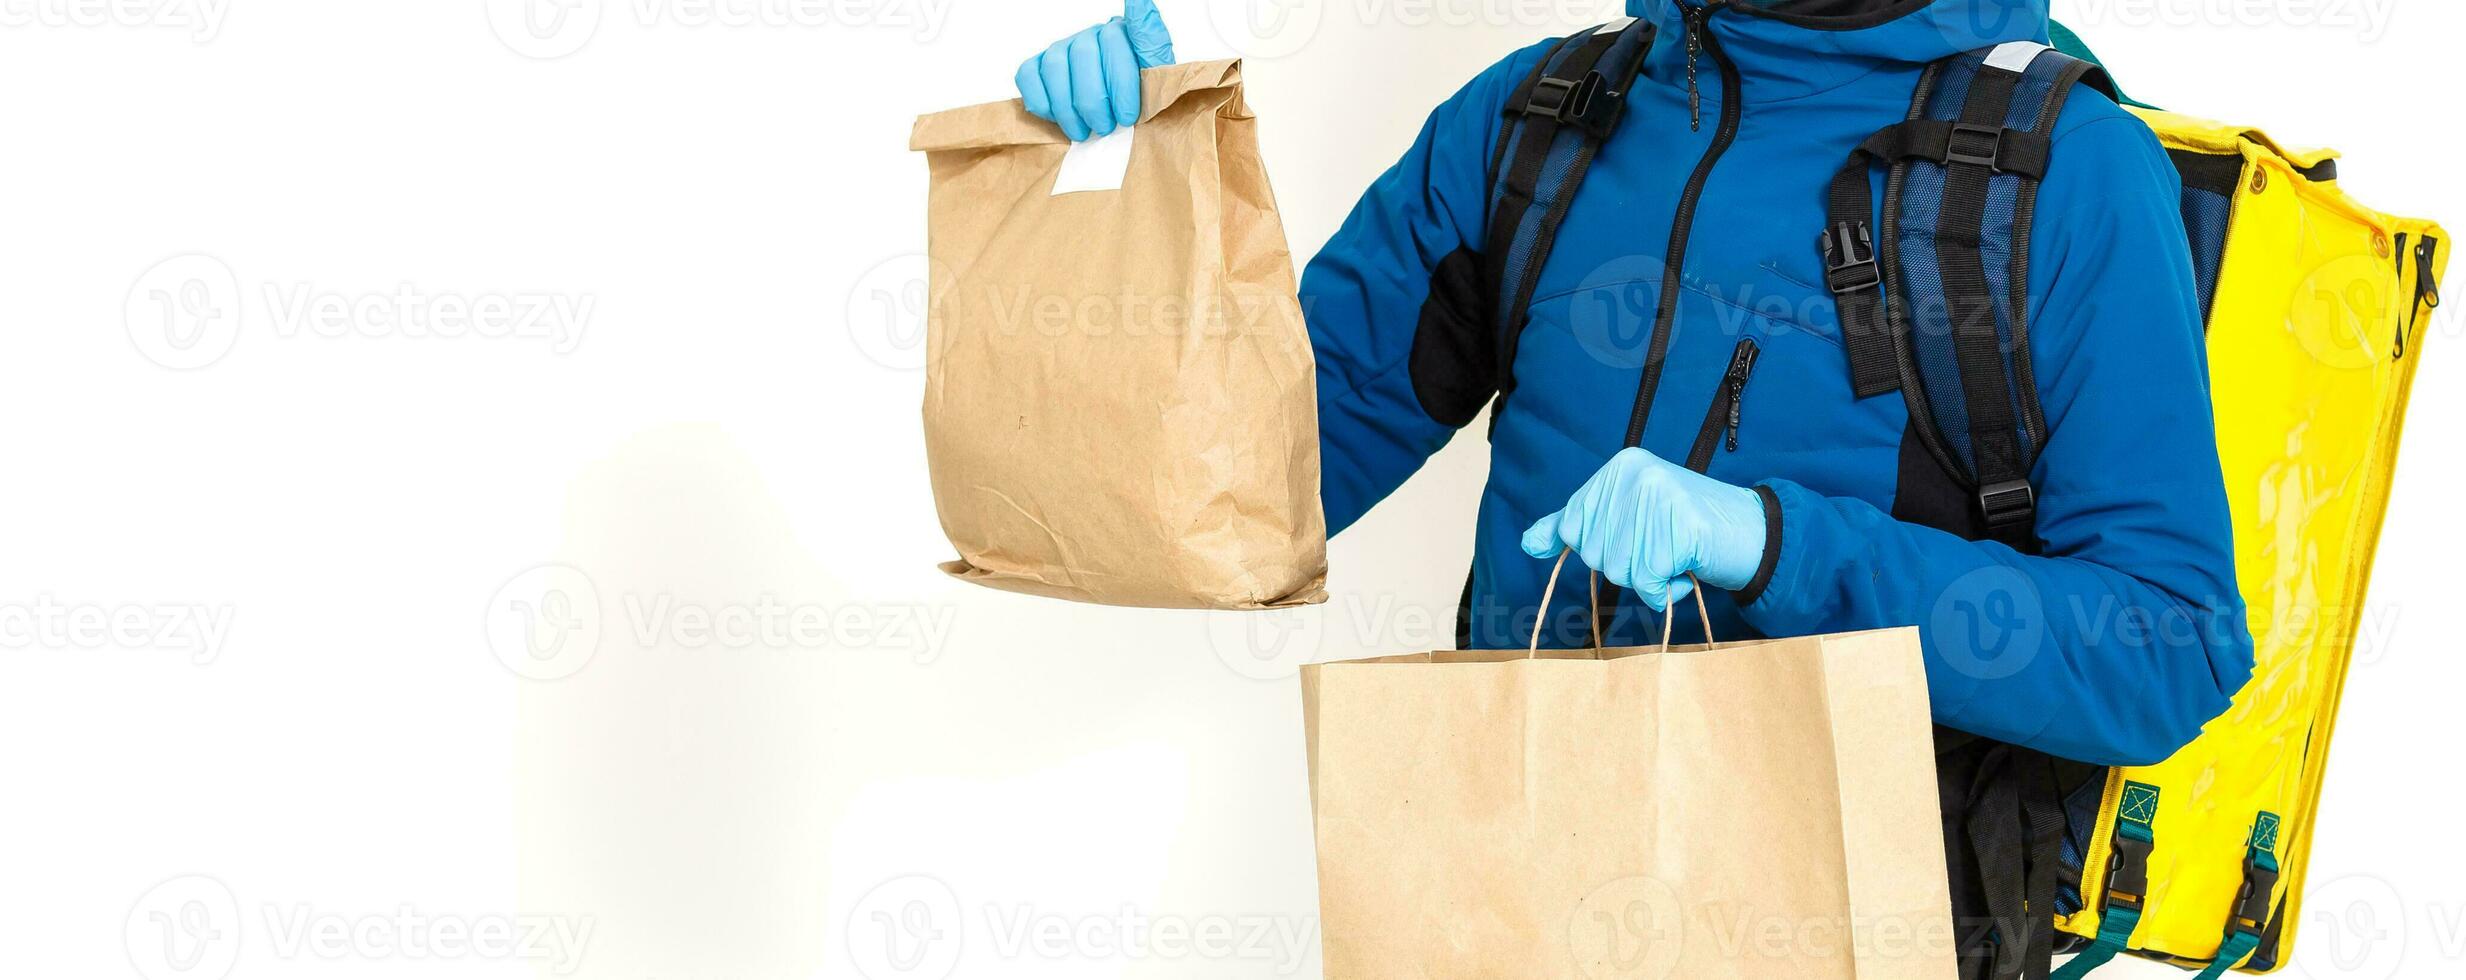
x: 1668, y: 619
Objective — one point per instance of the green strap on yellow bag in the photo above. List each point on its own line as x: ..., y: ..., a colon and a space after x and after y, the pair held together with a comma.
x: 2127, y: 881
x: 2243, y: 930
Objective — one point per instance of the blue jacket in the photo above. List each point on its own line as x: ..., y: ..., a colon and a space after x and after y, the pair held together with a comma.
x: 2113, y: 646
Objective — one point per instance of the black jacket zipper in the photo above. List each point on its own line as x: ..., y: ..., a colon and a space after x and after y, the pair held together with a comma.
x: 1683, y: 223
x: 2427, y: 289
x: 1721, y: 420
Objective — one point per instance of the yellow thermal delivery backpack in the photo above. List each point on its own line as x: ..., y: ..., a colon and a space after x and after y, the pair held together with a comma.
x: 2315, y: 308
x: 2318, y: 311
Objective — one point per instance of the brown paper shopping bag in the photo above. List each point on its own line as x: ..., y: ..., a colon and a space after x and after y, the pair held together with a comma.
x: 1119, y: 401
x: 1764, y: 809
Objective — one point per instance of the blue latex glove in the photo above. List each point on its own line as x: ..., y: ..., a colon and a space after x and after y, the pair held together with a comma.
x: 1646, y: 524
x: 1088, y: 83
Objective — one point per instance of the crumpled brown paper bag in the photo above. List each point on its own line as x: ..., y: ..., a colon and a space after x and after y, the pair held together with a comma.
x: 1754, y: 810
x: 1119, y: 399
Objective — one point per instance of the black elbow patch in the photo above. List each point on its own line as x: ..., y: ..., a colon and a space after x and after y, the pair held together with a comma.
x: 1455, y: 347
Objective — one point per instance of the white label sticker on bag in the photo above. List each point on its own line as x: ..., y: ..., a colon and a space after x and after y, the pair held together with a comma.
x: 2015, y: 56
x: 1098, y: 164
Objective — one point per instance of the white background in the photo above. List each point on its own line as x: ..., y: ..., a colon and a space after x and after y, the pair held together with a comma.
x: 266, y: 703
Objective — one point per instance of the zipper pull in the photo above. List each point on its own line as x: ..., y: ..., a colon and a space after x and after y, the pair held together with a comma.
x: 2427, y: 285
x: 1742, y: 365
x: 1733, y: 434
x: 1695, y: 45
x: 2427, y: 293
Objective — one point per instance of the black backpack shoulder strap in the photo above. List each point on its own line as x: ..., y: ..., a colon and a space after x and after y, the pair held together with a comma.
x: 1936, y: 305
x: 1557, y: 120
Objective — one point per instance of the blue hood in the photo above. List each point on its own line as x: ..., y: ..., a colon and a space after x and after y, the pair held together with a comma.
x: 1793, y: 48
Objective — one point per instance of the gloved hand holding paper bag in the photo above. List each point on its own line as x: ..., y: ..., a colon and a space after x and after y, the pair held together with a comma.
x: 1119, y: 401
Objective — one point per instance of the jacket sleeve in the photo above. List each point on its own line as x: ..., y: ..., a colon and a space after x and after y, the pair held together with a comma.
x: 1396, y: 311
x: 2127, y: 634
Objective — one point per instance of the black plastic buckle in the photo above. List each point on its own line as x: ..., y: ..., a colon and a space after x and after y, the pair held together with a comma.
x: 2252, y: 903
x: 2127, y: 873
x: 1587, y: 103
x: 2009, y: 504
x: 1849, y: 258
x: 1977, y: 145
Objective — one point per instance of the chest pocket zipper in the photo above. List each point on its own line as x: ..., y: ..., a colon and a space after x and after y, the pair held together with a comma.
x: 1722, y: 418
